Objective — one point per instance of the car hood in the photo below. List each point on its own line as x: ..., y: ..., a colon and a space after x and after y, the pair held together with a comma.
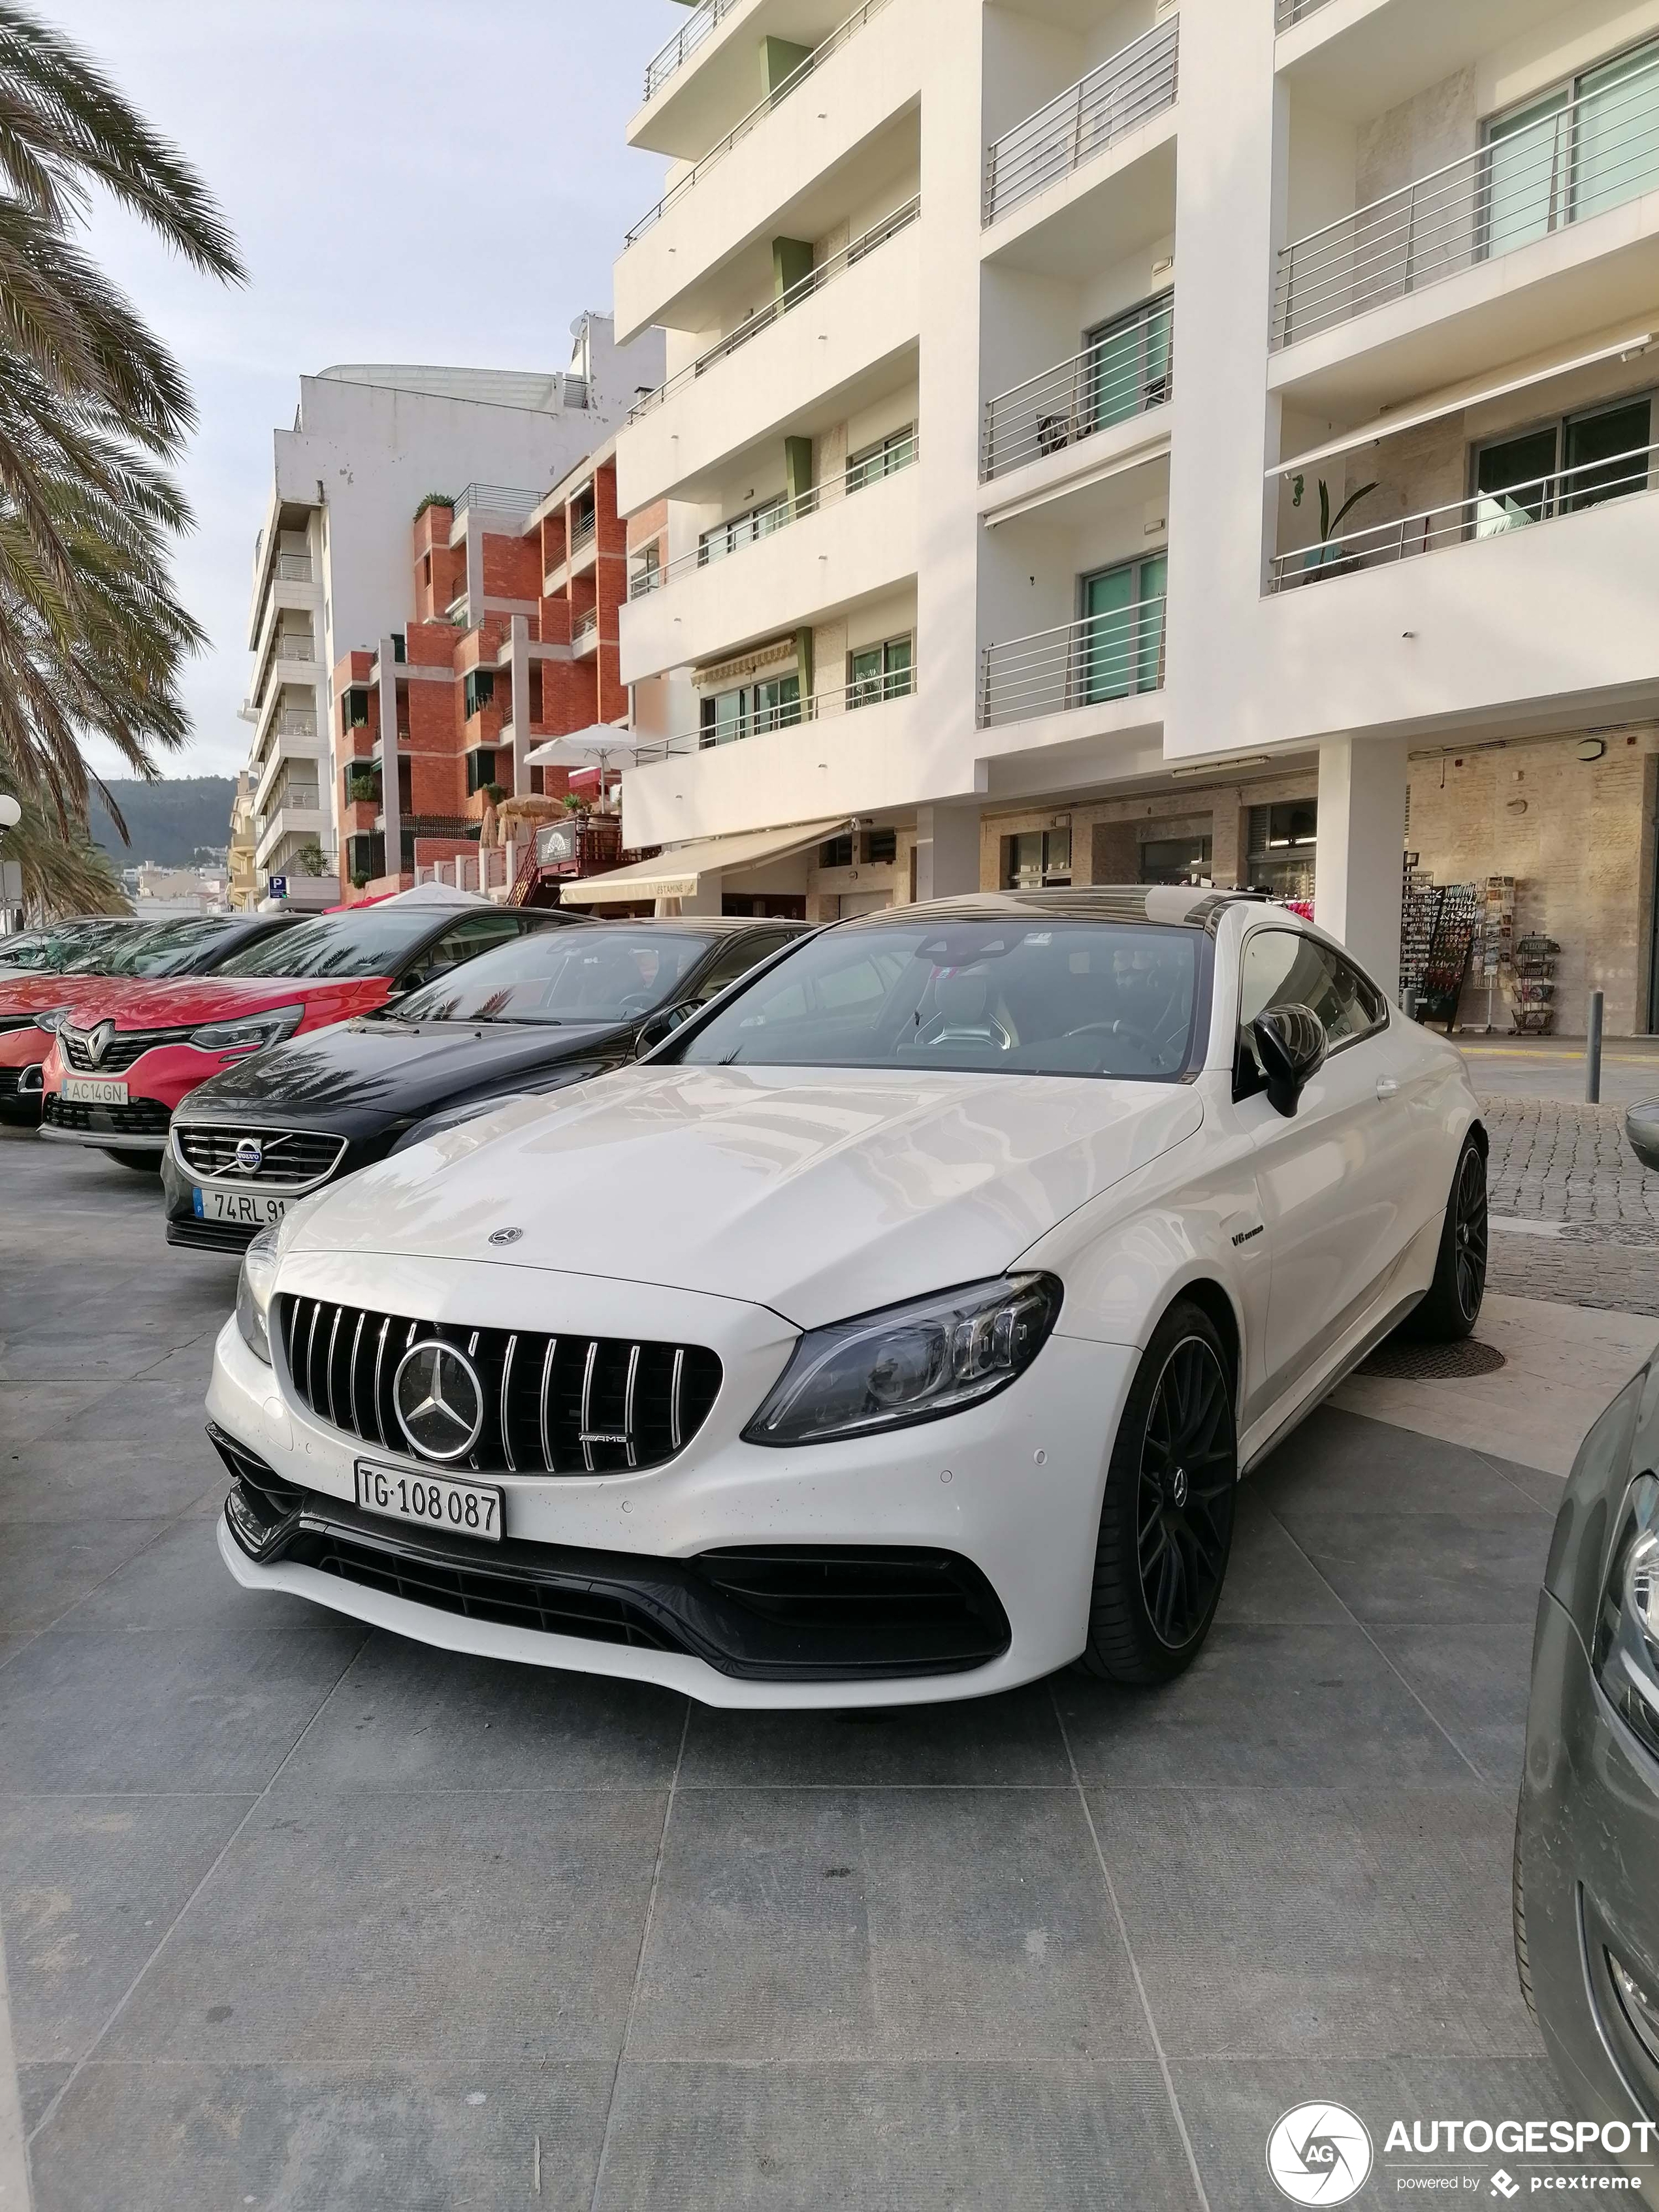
x: 373, y: 1072
x: 30, y: 995
x: 190, y: 999
x: 818, y: 1193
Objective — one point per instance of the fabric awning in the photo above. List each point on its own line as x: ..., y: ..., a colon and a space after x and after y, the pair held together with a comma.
x: 1452, y: 402
x: 679, y: 872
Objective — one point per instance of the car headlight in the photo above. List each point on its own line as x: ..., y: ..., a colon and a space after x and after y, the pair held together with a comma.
x: 52, y: 1020
x: 914, y: 1362
x: 252, y: 1034
x: 253, y: 1289
x: 468, y: 1109
x: 1627, y: 1628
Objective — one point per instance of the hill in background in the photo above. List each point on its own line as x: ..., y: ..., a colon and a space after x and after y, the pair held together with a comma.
x: 167, y: 821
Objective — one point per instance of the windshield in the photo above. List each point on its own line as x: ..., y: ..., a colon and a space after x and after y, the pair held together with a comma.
x: 368, y: 942
x: 593, y: 974
x: 71, y: 949
x: 1005, y: 997
x: 164, y: 950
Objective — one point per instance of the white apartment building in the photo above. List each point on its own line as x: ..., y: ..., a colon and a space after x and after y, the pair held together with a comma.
x: 1103, y: 440
x: 331, y: 562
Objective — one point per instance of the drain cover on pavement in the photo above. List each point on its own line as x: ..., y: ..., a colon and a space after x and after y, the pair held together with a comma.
x: 1400, y: 1360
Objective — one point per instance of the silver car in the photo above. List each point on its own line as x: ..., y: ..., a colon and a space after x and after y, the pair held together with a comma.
x: 1587, y: 1837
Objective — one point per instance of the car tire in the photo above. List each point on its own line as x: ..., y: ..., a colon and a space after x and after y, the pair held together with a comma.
x: 1166, y: 1530
x: 140, y: 1163
x: 1451, y: 1306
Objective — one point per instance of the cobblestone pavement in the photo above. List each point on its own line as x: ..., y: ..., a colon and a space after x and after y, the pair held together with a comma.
x: 1576, y: 1217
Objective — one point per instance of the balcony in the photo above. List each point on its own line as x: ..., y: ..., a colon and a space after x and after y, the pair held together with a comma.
x: 1287, y: 14
x: 852, y: 749
x: 785, y: 168
x: 293, y: 567
x: 849, y: 541
x: 717, y: 153
x: 802, y: 369
x: 1589, y: 156
x: 673, y: 56
x: 1485, y: 515
x: 1109, y: 383
x: 824, y: 706
x: 1117, y: 654
x: 1134, y: 85
x: 585, y: 634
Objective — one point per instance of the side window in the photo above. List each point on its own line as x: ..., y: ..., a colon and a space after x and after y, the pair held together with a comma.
x: 479, y: 933
x: 1281, y: 968
x: 736, y: 960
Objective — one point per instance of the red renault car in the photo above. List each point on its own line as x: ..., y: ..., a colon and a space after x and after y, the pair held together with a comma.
x: 32, y: 1008
x: 114, y: 1075
x: 40, y: 968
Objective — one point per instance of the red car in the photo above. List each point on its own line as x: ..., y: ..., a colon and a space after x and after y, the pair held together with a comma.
x: 116, y: 1073
x: 39, y: 970
x: 31, y: 1008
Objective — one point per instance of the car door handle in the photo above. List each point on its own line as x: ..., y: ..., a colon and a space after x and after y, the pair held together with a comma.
x: 1388, y: 1087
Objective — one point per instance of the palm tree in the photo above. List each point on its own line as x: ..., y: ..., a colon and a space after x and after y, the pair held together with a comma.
x: 92, y: 405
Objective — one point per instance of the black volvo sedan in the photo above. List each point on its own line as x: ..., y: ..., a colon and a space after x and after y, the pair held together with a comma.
x: 550, y: 1010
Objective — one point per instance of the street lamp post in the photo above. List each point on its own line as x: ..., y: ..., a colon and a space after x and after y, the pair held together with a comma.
x: 11, y: 873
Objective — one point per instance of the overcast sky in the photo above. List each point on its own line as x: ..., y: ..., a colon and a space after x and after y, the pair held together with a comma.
x: 418, y: 180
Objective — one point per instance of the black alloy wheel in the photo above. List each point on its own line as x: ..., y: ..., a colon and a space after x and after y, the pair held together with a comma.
x: 1166, y: 1524
x: 1187, y: 1479
x: 1451, y: 1306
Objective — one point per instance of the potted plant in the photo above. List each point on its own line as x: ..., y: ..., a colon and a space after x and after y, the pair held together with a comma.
x: 309, y: 860
x: 1325, y: 559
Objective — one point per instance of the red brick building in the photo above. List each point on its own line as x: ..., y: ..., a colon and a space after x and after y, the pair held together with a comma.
x: 512, y: 640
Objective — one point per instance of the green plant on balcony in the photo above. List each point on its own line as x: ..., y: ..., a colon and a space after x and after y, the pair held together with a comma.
x: 493, y: 794
x: 1325, y: 558
x: 363, y: 787
x: 308, y: 861
x: 359, y: 879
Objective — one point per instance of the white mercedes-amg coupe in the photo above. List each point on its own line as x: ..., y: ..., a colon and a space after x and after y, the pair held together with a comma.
x: 898, y: 1331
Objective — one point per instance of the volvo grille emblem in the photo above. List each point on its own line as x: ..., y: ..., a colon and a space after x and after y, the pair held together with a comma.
x: 506, y: 1235
x: 250, y: 1155
x: 99, y: 1041
x: 439, y: 1399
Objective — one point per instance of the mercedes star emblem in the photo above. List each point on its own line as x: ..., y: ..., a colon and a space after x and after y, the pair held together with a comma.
x: 505, y: 1235
x: 439, y: 1399
x: 250, y: 1155
x: 99, y: 1041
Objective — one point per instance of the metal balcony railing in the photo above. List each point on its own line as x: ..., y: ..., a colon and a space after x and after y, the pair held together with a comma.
x: 685, y: 43
x: 289, y: 648
x: 1592, y: 153
x: 496, y: 503
x: 1485, y: 514
x: 585, y: 631
x: 823, y: 706
x: 837, y: 265
x: 1287, y: 14
x: 767, y: 521
x: 1119, y: 377
x: 797, y: 78
x: 293, y: 567
x: 292, y: 724
x: 1113, y: 655
x: 1134, y: 84
x: 583, y: 535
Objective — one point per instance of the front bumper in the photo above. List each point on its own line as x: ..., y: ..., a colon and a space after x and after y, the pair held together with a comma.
x: 995, y: 1509
x: 156, y: 1082
x: 20, y: 1093
x: 1588, y: 1841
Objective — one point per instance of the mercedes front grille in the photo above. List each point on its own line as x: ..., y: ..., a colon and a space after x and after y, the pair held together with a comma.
x: 553, y: 1405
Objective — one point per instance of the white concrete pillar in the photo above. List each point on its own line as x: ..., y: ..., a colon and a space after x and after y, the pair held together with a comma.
x: 1361, y: 851
x: 947, y: 851
x: 518, y: 637
x: 390, y: 809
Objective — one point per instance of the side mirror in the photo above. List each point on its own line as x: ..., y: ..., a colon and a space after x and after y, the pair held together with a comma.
x: 1290, y: 1044
x: 660, y: 1026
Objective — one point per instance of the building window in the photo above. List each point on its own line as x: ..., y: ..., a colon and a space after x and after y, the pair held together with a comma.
x: 876, y: 673
x: 477, y: 690
x: 1176, y: 859
x: 354, y: 708
x: 1119, y: 635
x: 871, y: 848
x: 880, y: 847
x: 836, y: 852
x: 1036, y: 858
x: 1578, y: 461
x: 648, y: 569
x: 426, y: 571
x: 1283, y: 843
x: 743, y: 530
x: 480, y: 769
x: 1584, y: 146
x: 1125, y: 364
x: 535, y: 692
x: 895, y: 452
x: 751, y: 710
